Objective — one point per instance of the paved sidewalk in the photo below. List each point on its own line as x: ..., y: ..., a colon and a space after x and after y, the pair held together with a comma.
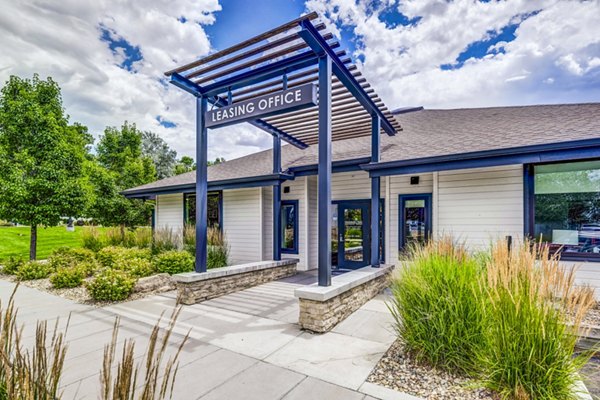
x: 243, y: 345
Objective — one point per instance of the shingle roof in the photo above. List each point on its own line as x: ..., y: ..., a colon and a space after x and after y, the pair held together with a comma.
x: 428, y: 133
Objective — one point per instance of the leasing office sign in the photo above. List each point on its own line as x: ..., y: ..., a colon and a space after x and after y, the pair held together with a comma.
x: 263, y: 106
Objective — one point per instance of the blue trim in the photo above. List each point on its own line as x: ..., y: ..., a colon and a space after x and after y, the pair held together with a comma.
x: 375, y: 193
x: 186, y: 212
x: 364, y: 205
x: 528, y: 201
x: 273, y: 70
x: 529, y: 210
x: 201, y: 184
x: 336, y: 166
x: 401, y: 220
x: 237, y: 183
x: 319, y: 45
x: 324, y: 176
x: 277, y: 228
x: 196, y: 90
x: 294, y: 204
x: 550, y: 152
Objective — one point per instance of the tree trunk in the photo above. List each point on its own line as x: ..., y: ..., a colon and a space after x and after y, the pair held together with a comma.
x: 122, y: 233
x: 33, y: 243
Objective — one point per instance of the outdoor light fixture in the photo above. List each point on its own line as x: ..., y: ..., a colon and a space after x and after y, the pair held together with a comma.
x: 414, y: 180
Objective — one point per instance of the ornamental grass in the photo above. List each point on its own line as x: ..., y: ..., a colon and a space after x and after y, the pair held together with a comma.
x: 29, y: 373
x: 533, y: 311
x: 436, y: 307
x: 508, y: 318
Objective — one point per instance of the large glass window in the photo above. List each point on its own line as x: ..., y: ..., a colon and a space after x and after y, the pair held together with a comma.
x: 567, y: 207
x: 213, y: 209
x: 289, y: 226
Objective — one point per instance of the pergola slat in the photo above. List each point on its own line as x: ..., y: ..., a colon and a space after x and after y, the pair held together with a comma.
x: 260, y: 60
x: 249, y: 53
x: 256, y: 39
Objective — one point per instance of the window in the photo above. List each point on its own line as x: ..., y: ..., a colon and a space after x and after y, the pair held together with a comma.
x: 213, y: 209
x: 566, y: 208
x: 289, y: 226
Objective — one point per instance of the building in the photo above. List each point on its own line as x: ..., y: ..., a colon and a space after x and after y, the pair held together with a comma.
x: 476, y: 174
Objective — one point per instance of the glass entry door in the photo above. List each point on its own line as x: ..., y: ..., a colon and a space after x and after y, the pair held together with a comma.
x: 354, y: 243
x: 415, y: 220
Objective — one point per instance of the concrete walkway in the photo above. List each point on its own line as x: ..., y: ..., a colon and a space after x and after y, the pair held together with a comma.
x: 243, y: 345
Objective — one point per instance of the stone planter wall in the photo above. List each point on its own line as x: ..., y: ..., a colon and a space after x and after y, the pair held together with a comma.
x: 194, y: 287
x: 321, y: 308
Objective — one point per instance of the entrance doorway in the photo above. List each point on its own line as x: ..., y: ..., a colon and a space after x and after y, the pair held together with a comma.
x: 415, y: 220
x: 351, y: 234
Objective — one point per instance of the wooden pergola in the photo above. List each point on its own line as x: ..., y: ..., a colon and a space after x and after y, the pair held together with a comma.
x: 297, y: 53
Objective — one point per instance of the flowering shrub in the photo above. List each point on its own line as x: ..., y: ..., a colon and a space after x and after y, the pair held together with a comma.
x: 137, y: 267
x: 12, y: 265
x: 111, y: 255
x: 174, y: 262
x: 67, y: 277
x: 68, y: 257
x: 111, y: 285
x: 33, y: 270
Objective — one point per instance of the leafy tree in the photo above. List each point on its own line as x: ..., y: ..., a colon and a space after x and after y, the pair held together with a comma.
x: 186, y: 164
x: 164, y: 158
x: 120, y: 165
x: 41, y: 156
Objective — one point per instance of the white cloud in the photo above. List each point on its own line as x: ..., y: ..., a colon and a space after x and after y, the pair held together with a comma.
x: 62, y: 39
x: 560, y: 44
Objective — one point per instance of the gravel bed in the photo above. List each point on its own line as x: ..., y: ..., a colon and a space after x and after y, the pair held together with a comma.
x: 398, y: 371
x: 593, y: 316
x: 77, y: 294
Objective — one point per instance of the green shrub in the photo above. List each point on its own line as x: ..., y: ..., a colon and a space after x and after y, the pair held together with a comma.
x: 111, y: 285
x: 67, y: 277
x: 33, y: 270
x: 68, y: 257
x: 165, y: 239
x: 436, y: 306
x: 217, y: 250
x: 110, y: 255
x: 174, y: 262
x: 11, y: 266
x: 89, y: 268
x: 92, y: 240
x: 534, y: 312
x: 137, y: 267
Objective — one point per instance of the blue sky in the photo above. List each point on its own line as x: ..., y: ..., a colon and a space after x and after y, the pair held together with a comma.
x: 109, y: 56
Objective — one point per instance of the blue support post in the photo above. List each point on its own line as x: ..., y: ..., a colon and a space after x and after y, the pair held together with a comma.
x: 324, y: 178
x: 277, y: 200
x: 375, y: 192
x: 201, y: 184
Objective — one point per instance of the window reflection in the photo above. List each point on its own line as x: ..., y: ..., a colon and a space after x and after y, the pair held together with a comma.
x: 567, y: 206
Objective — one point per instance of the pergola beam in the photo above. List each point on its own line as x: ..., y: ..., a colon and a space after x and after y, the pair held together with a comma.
x: 319, y: 46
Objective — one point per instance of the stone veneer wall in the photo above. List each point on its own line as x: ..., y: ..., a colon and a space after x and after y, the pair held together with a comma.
x: 322, y: 316
x: 201, y: 290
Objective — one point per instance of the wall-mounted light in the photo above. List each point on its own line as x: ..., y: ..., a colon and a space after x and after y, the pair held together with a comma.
x: 414, y: 180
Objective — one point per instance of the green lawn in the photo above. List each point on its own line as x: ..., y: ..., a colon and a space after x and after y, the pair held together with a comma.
x: 14, y: 241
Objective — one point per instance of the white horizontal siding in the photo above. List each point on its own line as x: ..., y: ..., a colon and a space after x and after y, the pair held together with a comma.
x: 242, y: 210
x: 169, y: 211
x: 267, y: 217
x: 478, y: 206
x: 354, y: 185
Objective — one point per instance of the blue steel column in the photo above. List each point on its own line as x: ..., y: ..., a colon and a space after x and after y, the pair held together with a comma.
x: 201, y: 184
x: 277, y: 200
x: 375, y: 192
x: 324, y: 179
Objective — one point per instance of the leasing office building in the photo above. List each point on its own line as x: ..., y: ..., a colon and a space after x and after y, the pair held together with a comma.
x: 477, y: 174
